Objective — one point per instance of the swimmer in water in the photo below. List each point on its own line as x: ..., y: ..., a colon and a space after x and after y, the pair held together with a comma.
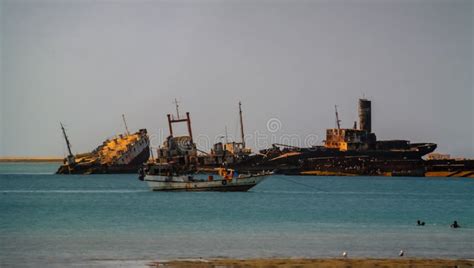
x: 455, y: 225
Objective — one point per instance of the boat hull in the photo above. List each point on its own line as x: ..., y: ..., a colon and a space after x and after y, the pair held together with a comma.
x: 162, y: 183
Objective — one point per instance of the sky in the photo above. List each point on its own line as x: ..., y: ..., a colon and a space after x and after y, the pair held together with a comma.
x: 85, y: 63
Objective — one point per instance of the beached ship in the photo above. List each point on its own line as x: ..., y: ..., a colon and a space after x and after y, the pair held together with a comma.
x: 345, y: 151
x: 443, y: 165
x: 182, y: 152
x: 227, y: 181
x: 124, y: 153
x: 350, y: 151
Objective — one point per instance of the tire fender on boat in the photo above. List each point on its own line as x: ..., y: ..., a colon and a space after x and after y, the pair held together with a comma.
x: 224, y: 182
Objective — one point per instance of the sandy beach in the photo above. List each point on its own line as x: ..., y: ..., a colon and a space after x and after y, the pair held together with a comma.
x: 21, y: 159
x: 303, y: 263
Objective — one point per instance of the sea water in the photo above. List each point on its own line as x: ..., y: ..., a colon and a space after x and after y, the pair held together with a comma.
x: 108, y: 220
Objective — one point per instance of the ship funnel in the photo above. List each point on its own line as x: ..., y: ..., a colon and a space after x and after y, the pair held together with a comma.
x: 365, y: 115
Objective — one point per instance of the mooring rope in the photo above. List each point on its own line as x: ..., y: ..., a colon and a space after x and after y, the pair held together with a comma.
x: 302, y: 184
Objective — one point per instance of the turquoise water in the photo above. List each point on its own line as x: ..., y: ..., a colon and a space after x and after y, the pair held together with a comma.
x: 103, y: 220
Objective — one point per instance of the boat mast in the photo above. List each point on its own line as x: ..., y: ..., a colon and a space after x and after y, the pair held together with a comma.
x: 125, y: 123
x: 226, y: 140
x: 241, y: 125
x: 338, y: 122
x: 176, y: 102
x: 151, y: 153
x: 66, y: 138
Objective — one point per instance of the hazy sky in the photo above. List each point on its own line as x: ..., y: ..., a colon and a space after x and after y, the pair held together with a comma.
x: 84, y: 63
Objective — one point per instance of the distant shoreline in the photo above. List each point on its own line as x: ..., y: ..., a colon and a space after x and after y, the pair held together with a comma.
x: 31, y: 159
x: 306, y: 263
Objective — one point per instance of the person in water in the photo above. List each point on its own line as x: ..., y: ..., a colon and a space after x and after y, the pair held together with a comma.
x: 455, y: 225
x: 420, y: 223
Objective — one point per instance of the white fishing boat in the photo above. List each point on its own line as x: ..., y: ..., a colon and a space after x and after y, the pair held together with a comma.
x: 227, y: 180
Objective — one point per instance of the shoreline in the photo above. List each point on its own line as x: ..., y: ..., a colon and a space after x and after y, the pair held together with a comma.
x: 31, y: 159
x: 321, y: 262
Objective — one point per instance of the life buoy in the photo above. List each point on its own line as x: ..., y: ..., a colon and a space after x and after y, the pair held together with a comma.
x: 224, y: 182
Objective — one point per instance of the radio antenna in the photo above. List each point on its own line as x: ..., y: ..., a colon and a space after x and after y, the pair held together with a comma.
x: 338, y: 122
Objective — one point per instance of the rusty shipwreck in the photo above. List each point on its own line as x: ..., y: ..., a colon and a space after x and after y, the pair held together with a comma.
x: 124, y: 153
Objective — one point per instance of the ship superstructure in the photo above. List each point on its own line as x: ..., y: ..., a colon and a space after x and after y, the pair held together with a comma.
x: 179, y: 150
x: 350, y: 139
x: 182, y: 153
x: 354, y: 140
x: 227, y: 153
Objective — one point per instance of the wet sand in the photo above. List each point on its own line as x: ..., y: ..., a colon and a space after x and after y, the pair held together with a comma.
x: 306, y: 263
